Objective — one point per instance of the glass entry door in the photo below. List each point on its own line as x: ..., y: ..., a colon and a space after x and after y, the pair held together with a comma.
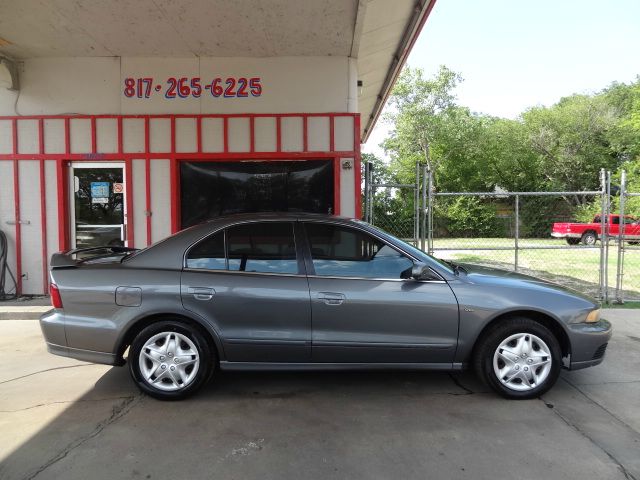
x: 97, y: 205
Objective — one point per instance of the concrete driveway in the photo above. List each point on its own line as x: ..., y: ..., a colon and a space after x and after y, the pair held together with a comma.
x: 61, y: 418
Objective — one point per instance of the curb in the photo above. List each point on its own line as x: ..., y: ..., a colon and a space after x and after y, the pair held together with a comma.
x: 23, y: 313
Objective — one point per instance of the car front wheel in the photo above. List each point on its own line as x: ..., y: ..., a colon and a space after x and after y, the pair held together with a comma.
x: 519, y: 358
x: 170, y: 360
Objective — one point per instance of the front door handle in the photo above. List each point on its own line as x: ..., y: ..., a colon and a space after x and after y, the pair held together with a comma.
x: 331, y: 298
x: 202, y: 293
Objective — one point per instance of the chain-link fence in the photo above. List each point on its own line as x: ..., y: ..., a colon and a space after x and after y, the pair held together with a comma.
x: 394, y: 207
x: 628, y: 242
x: 535, y: 233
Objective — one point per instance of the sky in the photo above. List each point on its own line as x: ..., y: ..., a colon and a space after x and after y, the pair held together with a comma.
x: 516, y: 54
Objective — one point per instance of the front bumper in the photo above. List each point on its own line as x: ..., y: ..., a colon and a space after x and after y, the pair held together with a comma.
x: 588, y: 343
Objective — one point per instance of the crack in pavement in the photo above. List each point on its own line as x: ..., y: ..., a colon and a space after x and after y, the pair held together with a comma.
x: 118, y: 412
x: 602, y: 383
x: 63, y: 402
x: 572, y: 425
x: 46, y: 370
x: 628, y: 475
x: 601, y: 406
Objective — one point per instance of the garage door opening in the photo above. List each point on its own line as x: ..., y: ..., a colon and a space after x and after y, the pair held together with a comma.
x: 211, y: 189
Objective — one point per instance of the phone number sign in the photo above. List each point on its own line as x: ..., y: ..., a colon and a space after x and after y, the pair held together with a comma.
x: 194, y: 87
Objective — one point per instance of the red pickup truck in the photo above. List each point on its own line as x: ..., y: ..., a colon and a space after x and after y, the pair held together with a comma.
x: 589, y: 233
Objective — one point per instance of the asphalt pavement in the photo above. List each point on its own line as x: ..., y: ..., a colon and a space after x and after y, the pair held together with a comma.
x: 64, y: 419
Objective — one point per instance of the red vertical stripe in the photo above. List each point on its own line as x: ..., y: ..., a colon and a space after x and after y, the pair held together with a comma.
x: 336, y: 186
x: 147, y: 183
x: 16, y: 199
x: 198, y: 133
x: 174, y: 188
x: 252, y: 134
x: 305, y: 135
x: 331, y: 134
x: 67, y: 136
x: 94, y: 136
x: 128, y: 195
x: 147, y: 176
x: 357, y: 173
x: 63, y: 217
x: 120, y: 139
x: 43, y: 209
x: 225, y: 134
x: 278, y: 134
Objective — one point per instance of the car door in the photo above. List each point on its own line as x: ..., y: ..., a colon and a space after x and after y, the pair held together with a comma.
x: 366, y: 309
x: 249, y: 281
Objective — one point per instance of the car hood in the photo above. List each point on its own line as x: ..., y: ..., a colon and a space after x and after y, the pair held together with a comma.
x: 507, y: 278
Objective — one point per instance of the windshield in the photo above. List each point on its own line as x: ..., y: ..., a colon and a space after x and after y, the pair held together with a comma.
x: 416, y: 252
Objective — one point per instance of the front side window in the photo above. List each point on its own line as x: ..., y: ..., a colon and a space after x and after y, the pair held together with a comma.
x: 338, y: 251
x: 262, y: 247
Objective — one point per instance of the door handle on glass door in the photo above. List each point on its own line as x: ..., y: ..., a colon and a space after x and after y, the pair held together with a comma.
x: 202, y: 293
x: 331, y: 298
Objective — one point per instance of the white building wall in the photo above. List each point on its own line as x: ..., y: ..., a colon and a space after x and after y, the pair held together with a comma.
x: 87, y: 85
x: 138, y: 176
x: 7, y: 214
x: 94, y: 86
x: 31, y: 231
x: 160, y: 200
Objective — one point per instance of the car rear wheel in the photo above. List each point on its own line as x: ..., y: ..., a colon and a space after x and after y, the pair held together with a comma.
x: 519, y: 358
x: 170, y: 360
x: 589, y: 238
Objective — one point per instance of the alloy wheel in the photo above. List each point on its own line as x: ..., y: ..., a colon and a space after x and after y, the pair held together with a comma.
x: 169, y: 361
x: 522, y: 362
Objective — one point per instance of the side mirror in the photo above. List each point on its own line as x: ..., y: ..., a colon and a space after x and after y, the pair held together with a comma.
x: 420, y: 271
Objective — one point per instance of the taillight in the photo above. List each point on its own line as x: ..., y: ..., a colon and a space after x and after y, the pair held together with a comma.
x: 56, y: 300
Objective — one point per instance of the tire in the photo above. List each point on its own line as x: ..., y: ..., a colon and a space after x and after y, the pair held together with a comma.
x: 589, y: 238
x: 532, y: 344
x: 572, y: 240
x: 170, y: 360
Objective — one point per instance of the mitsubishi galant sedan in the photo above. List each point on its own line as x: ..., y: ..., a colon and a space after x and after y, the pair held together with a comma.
x: 311, y: 292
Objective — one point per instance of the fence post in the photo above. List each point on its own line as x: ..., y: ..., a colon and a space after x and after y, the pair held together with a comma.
x: 426, y: 179
x: 416, y: 207
x: 430, y: 211
x: 620, y: 260
x: 517, y: 232
x: 604, y: 195
x: 367, y: 199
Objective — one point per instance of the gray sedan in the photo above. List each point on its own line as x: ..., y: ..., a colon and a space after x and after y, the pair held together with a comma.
x: 311, y: 292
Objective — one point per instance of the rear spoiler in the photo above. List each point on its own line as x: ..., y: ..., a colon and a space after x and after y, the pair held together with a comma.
x: 73, y: 258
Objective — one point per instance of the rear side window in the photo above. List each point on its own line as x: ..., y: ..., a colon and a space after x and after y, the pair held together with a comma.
x: 262, y: 247
x: 339, y: 251
x: 267, y: 247
x: 208, y: 254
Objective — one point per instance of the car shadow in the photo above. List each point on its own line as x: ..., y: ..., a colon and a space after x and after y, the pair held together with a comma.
x: 114, y: 405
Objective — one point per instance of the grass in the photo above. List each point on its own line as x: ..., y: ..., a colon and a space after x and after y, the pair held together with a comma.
x: 576, y: 267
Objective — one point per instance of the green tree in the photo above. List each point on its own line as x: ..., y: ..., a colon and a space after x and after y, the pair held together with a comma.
x: 571, y: 139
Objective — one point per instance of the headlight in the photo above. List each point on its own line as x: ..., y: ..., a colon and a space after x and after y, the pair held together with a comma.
x: 593, y: 316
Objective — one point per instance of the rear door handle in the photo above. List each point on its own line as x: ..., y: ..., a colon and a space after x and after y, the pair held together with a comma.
x: 331, y: 298
x: 201, y: 293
